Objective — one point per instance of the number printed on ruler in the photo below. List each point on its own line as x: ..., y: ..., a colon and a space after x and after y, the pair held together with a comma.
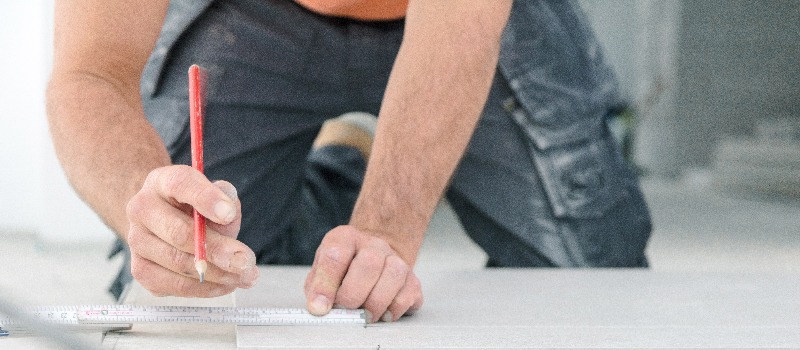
x: 67, y: 315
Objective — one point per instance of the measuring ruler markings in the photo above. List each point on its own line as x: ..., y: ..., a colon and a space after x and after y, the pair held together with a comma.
x: 120, y: 317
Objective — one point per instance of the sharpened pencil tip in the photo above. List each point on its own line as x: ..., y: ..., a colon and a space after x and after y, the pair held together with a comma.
x: 201, y: 267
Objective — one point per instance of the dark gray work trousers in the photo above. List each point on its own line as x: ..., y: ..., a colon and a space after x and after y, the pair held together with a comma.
x: 541, y: 184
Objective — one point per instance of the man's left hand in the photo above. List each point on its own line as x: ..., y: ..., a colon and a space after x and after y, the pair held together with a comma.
x: 353, y: 269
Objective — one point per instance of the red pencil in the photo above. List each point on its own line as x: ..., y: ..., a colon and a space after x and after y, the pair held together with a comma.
x: 196, y: 107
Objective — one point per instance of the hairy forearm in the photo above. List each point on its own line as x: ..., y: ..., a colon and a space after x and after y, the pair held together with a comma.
x: 103, y: 141
x: 101, y: 137
x: 433, y: 101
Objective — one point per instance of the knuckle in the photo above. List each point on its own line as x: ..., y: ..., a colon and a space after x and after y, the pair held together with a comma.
x: 343, y: 232
x: 396, y: 268
x: 179, y: 259
x: 181, y: 286
x: 135, y: 206
x: 214, y: 250
x: 348, y: 300
x: 179, y: 232
x: 176, y: 179
x: 205, y: 192
x: 372, y: 304
x: 137, y: 270
x: 223, y: 248
x: 409, y: 296
x: 404, y: 301
x: 143, y: 274
x: 153, y: 176
x: 373, y: 260
x: 414, y: 284
x: 380, y: 245
x: 135, y: 237
x: 378, y: 301
x: 334, y: 256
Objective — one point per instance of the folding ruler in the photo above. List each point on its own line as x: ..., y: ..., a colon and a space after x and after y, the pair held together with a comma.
x: 121, y: 317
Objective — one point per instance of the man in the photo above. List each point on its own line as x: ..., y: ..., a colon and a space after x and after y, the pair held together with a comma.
x: 501, y: 105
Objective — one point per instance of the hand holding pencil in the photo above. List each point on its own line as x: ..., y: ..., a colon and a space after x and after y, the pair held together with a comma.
x: 168, y: 255
x: 197, y: 76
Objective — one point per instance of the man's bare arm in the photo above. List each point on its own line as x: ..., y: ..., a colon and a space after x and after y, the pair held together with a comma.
x: 103, y: 141
x: 436, y: 93
x: 434, y: 99
x: 117, y: 163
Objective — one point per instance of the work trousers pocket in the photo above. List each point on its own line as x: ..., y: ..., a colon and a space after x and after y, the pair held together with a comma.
x: 596, y: 198
x: 582, y: 180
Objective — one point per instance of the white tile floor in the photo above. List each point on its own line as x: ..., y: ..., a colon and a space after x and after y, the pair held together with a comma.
x: 696, y: 229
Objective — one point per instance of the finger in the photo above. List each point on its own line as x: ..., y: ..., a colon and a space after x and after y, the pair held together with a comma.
x: 392, y: 279
x: 176, y: 229
x: 170, y: 224
x: 162, y: 282
x: 231, y: 229
x: 150, y: 247
x: 183, y: 184
x: 309, y: 278
x: 335, y: 254
x: 408, y: 299
x: 363, y: 274
x: 228, y: 253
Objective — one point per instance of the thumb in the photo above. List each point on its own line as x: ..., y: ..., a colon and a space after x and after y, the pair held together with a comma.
x: 231, y: 229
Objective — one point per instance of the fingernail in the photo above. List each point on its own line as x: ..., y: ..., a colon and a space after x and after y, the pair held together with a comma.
x: 240, y: 260
x: 225, y: 211
x: 387, y: 316
x: 368, y: 316
x: 320, y: 305
x: 249, y: 276
x: 230, y: 191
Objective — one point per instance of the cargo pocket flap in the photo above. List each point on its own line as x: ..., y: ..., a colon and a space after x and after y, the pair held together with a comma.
x: 579, y: 179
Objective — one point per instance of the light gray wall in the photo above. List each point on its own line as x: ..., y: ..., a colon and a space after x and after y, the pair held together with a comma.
x: 640, y: 40
x: 34, y: 194
x: 699, y: 70
x: 23, y: 72
x: 738, y: 62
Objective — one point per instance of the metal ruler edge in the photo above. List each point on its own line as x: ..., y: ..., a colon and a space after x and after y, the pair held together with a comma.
x: 115, y: 317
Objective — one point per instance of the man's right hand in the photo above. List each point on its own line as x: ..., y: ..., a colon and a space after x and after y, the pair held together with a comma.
x: 107, y: 148
x: 161, y: 235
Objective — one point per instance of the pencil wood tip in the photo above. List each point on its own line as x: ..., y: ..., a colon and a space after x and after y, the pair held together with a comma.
x: 201, y: 267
